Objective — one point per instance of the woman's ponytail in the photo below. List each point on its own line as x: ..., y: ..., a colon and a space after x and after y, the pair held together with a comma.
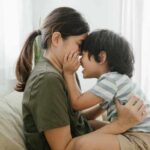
x: 24, y: 63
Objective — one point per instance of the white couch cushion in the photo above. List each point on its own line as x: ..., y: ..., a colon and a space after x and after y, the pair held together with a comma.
x: 11, y: 125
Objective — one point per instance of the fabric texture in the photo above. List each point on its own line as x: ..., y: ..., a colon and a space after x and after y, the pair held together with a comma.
x: 46, y: 105
x: 11, y: 125
x: 134, y: 141
x: 111, y: 86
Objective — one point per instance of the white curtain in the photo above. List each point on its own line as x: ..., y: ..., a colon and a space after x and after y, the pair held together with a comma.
x: 15, y: 23
x: 135, y: 26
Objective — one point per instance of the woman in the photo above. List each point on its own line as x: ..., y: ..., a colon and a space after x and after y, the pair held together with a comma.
x: 49, y: 120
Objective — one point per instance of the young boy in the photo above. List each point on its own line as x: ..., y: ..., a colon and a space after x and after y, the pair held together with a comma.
x: 109, y: 58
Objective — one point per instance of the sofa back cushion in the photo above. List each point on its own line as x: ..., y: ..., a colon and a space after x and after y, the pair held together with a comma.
x: 11, y: 125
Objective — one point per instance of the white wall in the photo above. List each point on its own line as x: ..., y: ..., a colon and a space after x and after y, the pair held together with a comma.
x: 99, y: 14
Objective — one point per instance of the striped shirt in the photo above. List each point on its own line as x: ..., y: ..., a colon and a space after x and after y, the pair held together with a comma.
x: 114, y: 85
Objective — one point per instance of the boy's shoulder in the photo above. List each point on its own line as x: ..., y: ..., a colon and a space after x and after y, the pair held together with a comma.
x: 111, y: 76
x: 114, y: 77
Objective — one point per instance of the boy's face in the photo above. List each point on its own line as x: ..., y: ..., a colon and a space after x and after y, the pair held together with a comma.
x: 91, y: 68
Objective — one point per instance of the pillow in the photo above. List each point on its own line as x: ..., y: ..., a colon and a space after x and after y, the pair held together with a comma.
x: 11, y: 125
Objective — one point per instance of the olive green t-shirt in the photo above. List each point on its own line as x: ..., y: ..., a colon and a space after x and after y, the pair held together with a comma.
x: 46, y: 105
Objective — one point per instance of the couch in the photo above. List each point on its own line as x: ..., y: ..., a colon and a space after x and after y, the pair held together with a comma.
x: 11, y: 125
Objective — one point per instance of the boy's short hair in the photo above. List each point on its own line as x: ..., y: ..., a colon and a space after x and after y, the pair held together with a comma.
x: 119, y: 53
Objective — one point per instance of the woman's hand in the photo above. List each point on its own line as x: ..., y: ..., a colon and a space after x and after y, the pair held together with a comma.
x: 71, y: 63
x: 130, y: 114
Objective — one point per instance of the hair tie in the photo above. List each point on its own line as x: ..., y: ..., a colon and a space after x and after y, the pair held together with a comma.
x: 38, y: 32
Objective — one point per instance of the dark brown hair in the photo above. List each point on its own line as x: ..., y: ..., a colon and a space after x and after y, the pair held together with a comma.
x: 119, y: 53
x: 65, y: 20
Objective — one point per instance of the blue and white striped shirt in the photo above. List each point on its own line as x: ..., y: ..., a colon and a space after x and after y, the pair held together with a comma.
x: 114, y: 85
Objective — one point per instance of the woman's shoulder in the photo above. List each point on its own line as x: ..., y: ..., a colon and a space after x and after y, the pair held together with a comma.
x: 47, y: 77
x: 45, y: 67
x: 45, y: 70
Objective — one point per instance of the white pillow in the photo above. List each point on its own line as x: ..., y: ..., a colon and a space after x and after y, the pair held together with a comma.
x: 11, y: 125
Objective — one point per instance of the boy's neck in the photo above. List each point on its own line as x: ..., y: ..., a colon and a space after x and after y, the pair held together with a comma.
x: 104, y: 70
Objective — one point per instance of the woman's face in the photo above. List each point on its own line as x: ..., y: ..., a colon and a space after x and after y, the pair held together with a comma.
x: 72, y: 43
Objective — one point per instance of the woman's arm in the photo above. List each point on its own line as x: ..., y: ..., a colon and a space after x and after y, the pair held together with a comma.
x: 128, y: 116
x: 59, y: 138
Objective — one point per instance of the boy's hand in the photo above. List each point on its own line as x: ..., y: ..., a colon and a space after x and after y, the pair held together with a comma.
x: 71, y: 63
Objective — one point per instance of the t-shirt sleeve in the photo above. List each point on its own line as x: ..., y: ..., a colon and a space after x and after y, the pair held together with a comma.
x: 48, y: 102
x: 106, y: 89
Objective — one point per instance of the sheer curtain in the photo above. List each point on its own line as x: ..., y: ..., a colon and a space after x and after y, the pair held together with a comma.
x: 15, y: 23
x: 135, y: 26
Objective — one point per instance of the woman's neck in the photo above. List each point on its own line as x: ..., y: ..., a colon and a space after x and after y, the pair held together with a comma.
x: 53, y: 59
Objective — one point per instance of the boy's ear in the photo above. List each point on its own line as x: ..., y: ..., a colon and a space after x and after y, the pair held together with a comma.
x: 102, y: 57
x: 56, y: 37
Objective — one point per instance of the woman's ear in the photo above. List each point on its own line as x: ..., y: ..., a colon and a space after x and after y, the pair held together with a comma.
x: 56, y: 38
x: 102, y: 57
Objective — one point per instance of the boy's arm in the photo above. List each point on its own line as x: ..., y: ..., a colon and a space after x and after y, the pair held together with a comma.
x: 80, y: 100
x: 93, y: 113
